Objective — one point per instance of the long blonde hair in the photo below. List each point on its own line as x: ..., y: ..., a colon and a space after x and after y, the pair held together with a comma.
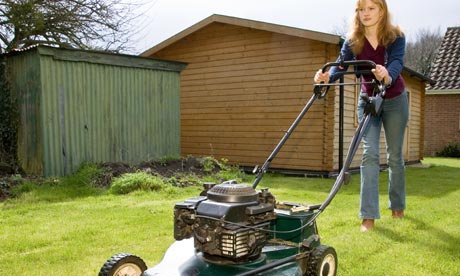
x: 386, y: 31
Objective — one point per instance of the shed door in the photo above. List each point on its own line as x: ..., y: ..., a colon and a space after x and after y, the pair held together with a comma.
x: 406, y: 145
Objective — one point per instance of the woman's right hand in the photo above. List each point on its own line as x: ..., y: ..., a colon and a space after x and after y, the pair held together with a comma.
x: 321, y: 77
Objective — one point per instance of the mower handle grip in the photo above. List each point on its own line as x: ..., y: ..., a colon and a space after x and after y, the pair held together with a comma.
x: 321, y: 91
x: 348, y: 63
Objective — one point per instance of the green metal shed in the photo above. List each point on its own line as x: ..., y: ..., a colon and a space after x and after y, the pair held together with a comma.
x: 80, y: 106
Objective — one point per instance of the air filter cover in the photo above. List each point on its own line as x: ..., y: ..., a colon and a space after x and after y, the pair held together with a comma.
x: 232, y: 193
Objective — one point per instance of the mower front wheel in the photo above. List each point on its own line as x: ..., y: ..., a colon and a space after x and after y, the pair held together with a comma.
x: 323, y: 262
x: 123, y: 264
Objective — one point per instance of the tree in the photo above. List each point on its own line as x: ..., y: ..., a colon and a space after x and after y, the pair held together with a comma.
x: 421, y: 53
x: 342, y: 28
x: 102, y: 24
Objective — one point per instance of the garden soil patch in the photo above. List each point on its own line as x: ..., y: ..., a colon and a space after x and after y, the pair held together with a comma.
x: 177, y: 168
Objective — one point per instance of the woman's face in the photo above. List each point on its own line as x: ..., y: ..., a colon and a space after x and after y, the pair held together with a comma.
x: 369, y: 13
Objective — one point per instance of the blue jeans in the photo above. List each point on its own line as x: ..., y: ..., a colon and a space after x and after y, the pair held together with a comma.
x: 394, y: 118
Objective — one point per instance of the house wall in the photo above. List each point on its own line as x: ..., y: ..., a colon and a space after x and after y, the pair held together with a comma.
x: 243, y: 88
x: 443, y: 122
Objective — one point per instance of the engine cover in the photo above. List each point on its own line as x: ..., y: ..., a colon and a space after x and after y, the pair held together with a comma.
x: 228, y: 223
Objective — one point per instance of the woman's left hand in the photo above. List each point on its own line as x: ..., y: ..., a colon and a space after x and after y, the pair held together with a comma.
x: 380, y: 72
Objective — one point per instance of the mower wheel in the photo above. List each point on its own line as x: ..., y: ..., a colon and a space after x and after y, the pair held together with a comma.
x: 323, y: 262
x: 123, y: 264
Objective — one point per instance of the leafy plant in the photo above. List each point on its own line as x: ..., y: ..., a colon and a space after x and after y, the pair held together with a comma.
x: 212, y: 165
x: 138, y: 181
x: 184, y: 180
x: 450, y: 150
x: 23, y: 188
x: 209, y: 164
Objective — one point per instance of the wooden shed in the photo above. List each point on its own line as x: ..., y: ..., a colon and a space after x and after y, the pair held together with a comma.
x: 245, y: 83
x: 80, y: 106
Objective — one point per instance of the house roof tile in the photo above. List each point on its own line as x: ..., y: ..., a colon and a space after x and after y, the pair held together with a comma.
x: 446, y: 67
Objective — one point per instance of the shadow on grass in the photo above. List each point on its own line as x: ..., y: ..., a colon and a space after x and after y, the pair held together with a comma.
x: 439, y: 240
x: 280, y: 181
x: 435, y: 181
x: 431, y: 182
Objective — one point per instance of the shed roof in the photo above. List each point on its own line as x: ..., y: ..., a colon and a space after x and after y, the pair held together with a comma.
x: 282, y: 29
x: 418, y: 75
x: 276, y: 28
x: 102, y: 57
x: 446, y: 67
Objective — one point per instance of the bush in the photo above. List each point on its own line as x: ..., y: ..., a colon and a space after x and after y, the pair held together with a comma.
x: 138, y: 181
x: 450, y: 150
x: 209, y: 164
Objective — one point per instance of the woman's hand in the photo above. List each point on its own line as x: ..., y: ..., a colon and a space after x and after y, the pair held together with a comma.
x: 321, y: 77
x: 381, y: 74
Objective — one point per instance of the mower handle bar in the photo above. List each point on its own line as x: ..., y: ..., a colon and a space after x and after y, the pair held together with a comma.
x: 321, y: 90
x: 348, y: 63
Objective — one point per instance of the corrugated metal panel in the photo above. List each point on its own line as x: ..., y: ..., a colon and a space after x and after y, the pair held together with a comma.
x: 24, y: 77
x: 92, y: 111
x: 103, y: 113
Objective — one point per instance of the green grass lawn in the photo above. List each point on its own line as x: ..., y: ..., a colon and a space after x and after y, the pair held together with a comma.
x: 68, y: 228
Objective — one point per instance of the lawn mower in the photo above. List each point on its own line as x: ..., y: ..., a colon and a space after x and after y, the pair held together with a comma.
x: 233, y: 229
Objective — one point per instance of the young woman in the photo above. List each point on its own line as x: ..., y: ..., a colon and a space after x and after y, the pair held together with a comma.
x: 373, y: 37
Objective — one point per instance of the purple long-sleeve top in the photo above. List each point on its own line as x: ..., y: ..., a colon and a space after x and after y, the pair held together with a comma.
x: 391, y: 57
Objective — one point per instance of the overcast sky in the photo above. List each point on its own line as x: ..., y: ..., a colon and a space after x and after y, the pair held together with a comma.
x: 162, y: 19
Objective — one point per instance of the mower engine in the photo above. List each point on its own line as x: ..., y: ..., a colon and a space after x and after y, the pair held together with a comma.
x: 227, y: 224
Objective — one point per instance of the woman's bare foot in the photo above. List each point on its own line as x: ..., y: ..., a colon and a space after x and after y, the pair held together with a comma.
x: 397, y: 213
x: 367, y: 225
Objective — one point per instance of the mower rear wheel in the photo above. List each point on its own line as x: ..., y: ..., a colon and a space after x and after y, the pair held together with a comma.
x: 123, y: 264
x: 323, y: 262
